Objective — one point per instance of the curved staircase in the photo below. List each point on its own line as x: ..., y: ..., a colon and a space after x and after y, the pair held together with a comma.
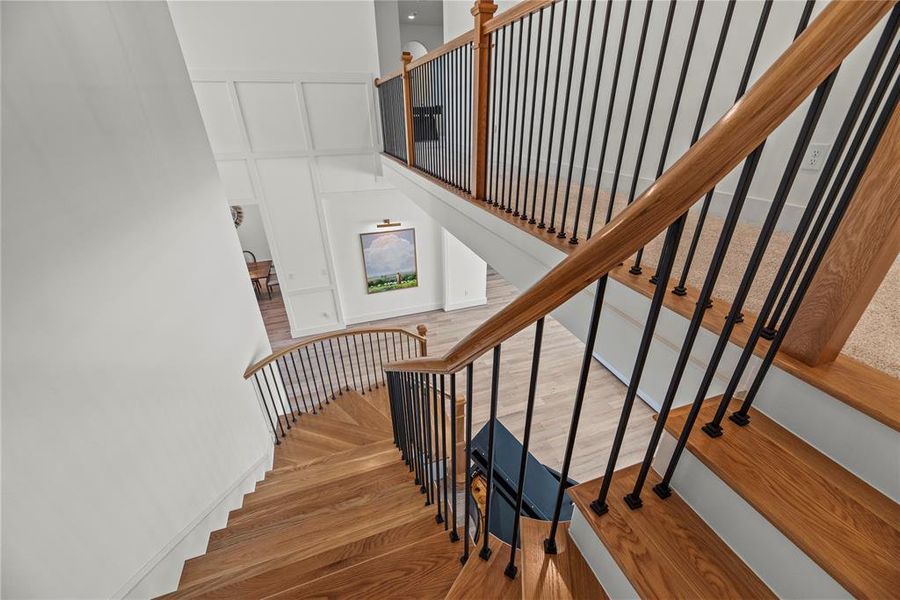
x: 338, y: 516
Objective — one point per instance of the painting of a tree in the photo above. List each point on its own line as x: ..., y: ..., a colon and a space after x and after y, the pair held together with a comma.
x: 390, y: 260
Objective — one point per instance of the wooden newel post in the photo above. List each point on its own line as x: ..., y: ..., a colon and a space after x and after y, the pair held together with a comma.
x: 405, y: 59
x: 423, y: 344
x: 481, y: 66
x: 861, y: 253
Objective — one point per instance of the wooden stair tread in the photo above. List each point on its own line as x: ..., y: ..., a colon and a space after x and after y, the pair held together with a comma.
x: 284, y: 572
x: 484, y: 578
x: 665, y: 549
x: 561, y: 576
x: 847, y: 527
x: 423, y: 570
x: 349, y: 521
x: 276, y: 521
x: 348, y: 432
x: 338, y: 466
x: 375, y: 481
x: 365, y: 414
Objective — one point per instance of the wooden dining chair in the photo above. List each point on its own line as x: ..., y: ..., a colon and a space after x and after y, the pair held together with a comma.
x: 272, y: 281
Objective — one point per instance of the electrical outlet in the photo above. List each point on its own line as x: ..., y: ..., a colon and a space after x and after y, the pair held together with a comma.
x: 815, y: 157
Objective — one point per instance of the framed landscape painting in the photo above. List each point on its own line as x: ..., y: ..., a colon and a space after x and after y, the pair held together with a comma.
x: 390, y: 260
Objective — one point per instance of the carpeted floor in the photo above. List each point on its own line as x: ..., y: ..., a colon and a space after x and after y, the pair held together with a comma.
x: 876, y: 339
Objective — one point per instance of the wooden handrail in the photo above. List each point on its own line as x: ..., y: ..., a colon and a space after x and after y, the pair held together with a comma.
x: 418, y: 337
x: 385, y: 78
x: 460, y: 40
x: 519, y: 11
x: 781, y: 89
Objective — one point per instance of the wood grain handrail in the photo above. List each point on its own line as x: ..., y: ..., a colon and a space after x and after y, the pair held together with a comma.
x: 513, y: 14
x: 385, y: 78
x: 327, y: 336
x: 460, y: 40
x: 776, y: 94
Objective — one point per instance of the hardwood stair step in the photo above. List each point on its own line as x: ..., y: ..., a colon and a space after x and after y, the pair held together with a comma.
x: 380, y: 401
x: 309, y: 562
x: 484, y: 578
x: 380, y: 479
x: 349, y: 522
x: 364, y: 412
x: 847, y: 527
x: 665, y: 549
x: 396, y: 488
x: 561, y: 576
x: 423, y: 570
x: 347, y: 432
x: 283, y: 486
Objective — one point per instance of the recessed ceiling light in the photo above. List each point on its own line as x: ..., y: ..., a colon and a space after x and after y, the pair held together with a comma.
x: 411, y: 16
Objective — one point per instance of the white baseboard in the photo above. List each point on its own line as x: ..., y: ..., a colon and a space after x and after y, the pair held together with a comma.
x: 466, y: 304
x: 390, y: 314
x: 161, y: 573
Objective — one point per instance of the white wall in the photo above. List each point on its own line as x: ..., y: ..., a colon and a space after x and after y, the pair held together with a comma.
x: 252, y: 233
x: 296, y: 138
x: 128, y: 317
x: 430, y: 36
x: 387, y: 25
x: 349, y: 215
x: 465, y: 275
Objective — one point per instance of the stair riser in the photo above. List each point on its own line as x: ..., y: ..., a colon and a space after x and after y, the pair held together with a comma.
x: 786, y: 569
x: 859, y: 443
x: 598, y: 558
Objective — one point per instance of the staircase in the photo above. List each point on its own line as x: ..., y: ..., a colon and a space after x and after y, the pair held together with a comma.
x: 339, y: 516
x: 369, y: 495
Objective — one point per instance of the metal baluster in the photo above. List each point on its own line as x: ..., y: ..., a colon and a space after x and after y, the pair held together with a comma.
x: 512, y: 173
x: 713, y: 428
x: 550, y: 542
x: 628, y: 110
x: 426, y: 438
x: 680, y: 289
x: 593, y: 113
x: 297, y: 375
x: 268, y: 414
x: 565, y: 115
x: 468, y: 484
x: 293, y: 391
x: 308, y: 386
x: 505, y: 113
x: 327, y: 370
x: 343, y: 366
x: 676, y: 103
x: 284, y: 411
x: 534, y: 100
x: 491, y: 187
x: 416, y: 399
x: 673, y: 235
x: 511, y: 569
x: 337, y: 376
x: 587, y: 149
x: 489, y: 488
x: 274, y: 406
x: 374, y: 361
x: 815, y: 199
x: 315, y: 381
x: 436, y: 445
x: 468, y: 128
x: 559, y: 55
x: 609, y: 114
x: 454, y: 534
x: 523, y: 213
x: 444, y: 454
x: 651, y: 104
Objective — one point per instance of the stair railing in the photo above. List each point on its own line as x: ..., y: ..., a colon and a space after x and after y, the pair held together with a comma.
x: 306, y: 376
x: 807, y: 67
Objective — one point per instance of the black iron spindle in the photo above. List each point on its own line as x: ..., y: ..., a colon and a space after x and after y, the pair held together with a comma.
x: 272, y: 399
x: 468, y: 483
x: 534, y: 101
x: 559, y: 56
x: 587, y: 357
x: 609, y: 114
x: 265, y: 406
x: 565, y: 116
x: 516, y: 124
x: 436, y: 444
x: 511, y: 569
x: 454, y: 534
x: 485, y: 552
x: 587, y: 149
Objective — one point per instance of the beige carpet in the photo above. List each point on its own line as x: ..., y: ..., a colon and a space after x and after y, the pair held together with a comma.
x: 876, y: 339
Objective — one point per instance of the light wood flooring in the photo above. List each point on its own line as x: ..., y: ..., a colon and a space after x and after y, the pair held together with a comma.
x: 559, y: 370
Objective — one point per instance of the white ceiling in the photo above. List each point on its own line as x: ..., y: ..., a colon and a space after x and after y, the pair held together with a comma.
x: 428, y: 12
